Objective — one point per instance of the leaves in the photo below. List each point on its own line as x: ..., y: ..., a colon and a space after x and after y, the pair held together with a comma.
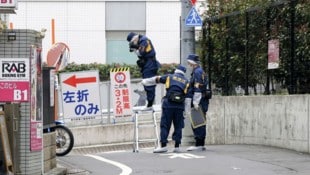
x: 228, y: 46
x: 104, y: 69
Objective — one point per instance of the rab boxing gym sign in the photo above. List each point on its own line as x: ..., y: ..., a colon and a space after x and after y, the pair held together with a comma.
x: 14, y: 79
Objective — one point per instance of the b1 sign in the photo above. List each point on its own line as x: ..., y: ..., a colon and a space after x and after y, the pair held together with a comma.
x: 8, y: 3
x: 14, y: 79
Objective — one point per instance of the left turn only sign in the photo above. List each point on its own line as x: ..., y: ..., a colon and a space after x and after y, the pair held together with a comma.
x: 80, y: 95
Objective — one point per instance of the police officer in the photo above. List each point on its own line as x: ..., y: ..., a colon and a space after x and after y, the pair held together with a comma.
x: 144, y: 49
x: 172, y: 107
x: 199, y: 98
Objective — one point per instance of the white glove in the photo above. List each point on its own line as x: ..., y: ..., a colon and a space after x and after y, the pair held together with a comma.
x: 149, y: 81
x: 196, y: 107
x: 187, y: 107
x: 137, y: 52
x: 196, y: 99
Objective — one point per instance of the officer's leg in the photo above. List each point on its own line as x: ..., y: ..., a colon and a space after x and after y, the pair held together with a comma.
x: 178, y: 123
x: 165, y: 124
x: 200, y: 135
x: 150, y: 95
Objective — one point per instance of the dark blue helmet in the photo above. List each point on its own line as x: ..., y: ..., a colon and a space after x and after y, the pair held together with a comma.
x: 193, y: 59
x: 130, y: 36
x: 181, y: 68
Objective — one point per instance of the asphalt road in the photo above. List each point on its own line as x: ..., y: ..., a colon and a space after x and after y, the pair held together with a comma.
x: 216, y: 160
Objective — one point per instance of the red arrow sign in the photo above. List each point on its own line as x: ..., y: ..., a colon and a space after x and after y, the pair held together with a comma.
x: 73, y: 81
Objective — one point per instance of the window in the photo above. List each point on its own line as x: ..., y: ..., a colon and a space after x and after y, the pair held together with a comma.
x: 122, y: 18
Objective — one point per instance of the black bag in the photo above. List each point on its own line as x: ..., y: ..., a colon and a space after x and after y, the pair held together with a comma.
x: 176, y: 97
x: 208, y: 94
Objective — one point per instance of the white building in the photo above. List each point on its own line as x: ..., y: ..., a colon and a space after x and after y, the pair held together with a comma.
x: 96, y: 30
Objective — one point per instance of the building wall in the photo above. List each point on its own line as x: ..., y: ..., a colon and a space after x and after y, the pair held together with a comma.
x: 163, y: 24
x: 81, y: 25
x: 78, y: 24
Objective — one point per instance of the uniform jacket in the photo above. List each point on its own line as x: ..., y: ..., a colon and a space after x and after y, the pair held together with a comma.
x: 147, y: 59
x: 174, y: 83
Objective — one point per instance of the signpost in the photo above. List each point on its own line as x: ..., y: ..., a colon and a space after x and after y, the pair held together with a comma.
x: 120, y: 88
x: 193, y: 18
x: 80, y: 95
x: 14, y: 79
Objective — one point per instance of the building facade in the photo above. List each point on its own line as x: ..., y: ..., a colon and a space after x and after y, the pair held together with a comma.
x: 96, y: 30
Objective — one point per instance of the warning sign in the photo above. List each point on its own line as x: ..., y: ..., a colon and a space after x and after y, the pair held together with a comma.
x: 120, y: 88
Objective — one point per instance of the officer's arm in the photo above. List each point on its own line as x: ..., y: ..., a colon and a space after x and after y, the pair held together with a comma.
x: 197, y: 92
x: 141, y: 50
x: 153, y: 80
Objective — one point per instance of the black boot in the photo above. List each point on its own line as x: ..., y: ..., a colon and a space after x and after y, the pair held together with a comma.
x: 149, y: 103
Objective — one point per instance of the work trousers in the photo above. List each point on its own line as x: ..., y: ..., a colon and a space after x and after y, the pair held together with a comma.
x: 169, y: 116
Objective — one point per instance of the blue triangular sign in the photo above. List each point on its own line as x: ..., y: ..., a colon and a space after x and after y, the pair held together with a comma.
x: 193, y: 18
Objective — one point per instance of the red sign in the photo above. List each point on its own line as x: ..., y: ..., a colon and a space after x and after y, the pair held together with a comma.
x: 8, y: 3
x: 193, y: 2
x: 14, y: 91
x: 120, y: 77
x: 273, y: 54
x: 14, y: 80
x: 36, y: 136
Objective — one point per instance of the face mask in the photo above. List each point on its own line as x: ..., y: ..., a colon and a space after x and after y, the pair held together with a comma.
x: 190, y: 68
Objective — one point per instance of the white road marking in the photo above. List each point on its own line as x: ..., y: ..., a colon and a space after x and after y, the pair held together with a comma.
x: 125, y: 169
x: 236, y: 168
x: 183, y: 155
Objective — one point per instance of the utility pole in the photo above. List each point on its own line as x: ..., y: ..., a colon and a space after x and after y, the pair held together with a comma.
x: 187, y: 41
x: 187, y: 35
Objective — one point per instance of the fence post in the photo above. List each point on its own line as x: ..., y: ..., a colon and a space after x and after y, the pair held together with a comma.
x: 246, y: 57
x: 226, y: 92
x: 267, y: 90
x: 292, y: 88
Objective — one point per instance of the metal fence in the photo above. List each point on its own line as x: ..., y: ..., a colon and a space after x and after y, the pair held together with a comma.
x: 235, y: 50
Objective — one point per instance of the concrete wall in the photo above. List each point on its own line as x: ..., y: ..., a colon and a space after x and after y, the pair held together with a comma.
x: 281, y: 121
x: 113, y: 133
x: 49, y: 156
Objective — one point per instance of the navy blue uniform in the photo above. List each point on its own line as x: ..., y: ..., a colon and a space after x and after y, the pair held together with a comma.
x: 147, y: 63
x: 196, y: 80
x: 172, y: 112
